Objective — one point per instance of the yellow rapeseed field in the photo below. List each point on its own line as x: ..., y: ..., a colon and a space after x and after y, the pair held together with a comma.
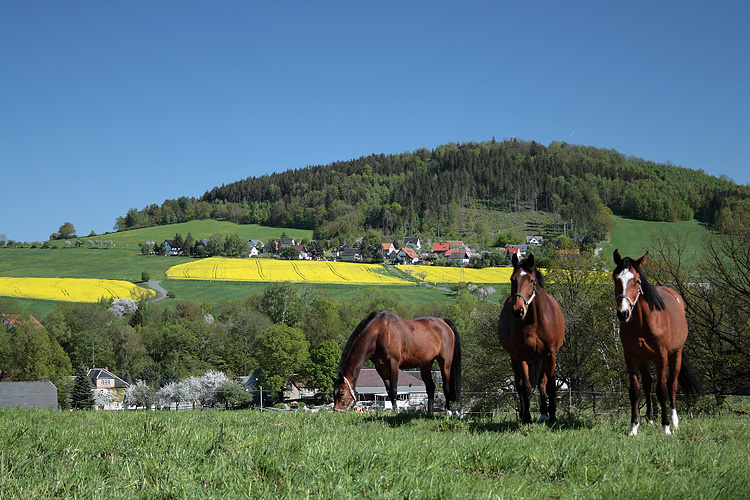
x: 267, y: 270
x: 436, y: 274
x: 71, y: 289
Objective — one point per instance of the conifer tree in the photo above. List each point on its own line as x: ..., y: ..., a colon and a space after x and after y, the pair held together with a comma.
x: 81, y: 397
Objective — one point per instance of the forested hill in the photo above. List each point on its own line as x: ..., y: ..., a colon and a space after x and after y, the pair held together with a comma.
x: 411, y: 192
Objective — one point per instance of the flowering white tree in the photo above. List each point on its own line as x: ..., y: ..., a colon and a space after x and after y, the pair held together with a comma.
x: 120, y: 307
x: 139, y: 395
x: 209, y: 384
x: 192, y: 389
x: 104, y: 398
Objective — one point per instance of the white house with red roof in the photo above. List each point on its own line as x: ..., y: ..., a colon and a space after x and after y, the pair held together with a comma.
x: 407, y: 256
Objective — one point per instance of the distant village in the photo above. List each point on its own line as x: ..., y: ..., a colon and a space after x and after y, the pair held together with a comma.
x: 411, y: 251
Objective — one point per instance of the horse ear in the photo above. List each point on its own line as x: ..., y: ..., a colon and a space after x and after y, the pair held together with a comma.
x: 514, y: 260
x: 642, y: 260
x: 530, y: 260
x: 617, y: 257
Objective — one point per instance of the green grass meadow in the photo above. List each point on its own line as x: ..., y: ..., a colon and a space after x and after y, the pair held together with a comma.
x: 632, y: 237
x: 249, y: 454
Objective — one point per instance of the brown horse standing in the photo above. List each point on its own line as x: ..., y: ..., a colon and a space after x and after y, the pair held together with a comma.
x: 652, y: 328
x: 392, y: 343
x: 531, y: 327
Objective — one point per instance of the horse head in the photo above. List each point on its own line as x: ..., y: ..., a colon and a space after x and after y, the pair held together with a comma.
x: 627, y: 277
x: 344, y: 395
x: 523, y: 285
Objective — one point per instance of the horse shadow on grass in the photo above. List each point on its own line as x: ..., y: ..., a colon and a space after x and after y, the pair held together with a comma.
x: 476, y: 424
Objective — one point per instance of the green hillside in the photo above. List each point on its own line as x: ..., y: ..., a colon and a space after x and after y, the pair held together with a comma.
x: 200, y: 229
x: 632, y: 237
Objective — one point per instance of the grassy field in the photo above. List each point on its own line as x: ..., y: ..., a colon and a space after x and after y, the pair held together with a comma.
x: 200, y: 229
x: 248, y: 454
x: 632, y: 237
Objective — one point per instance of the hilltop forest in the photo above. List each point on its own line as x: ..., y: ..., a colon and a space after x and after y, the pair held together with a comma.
x: 421, y: 193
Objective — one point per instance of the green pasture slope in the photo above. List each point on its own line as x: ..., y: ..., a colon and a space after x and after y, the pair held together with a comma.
x: 632, y: 237
x: 249, y: 454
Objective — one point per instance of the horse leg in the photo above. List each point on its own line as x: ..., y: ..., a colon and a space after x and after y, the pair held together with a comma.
x: 543, y: 417
x: 648, y: 384
x: 635, y: 398
x: 675, y: 364
x: 393, y: 389
x: 524, y: 390
x: 549, y: 370
x: 661, y: 390
x: 430, y: 386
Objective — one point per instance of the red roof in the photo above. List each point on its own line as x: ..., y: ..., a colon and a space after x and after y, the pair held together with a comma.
x: 440, y: 247
x: 510, y: 250
x: 411, y: 253
x: 12, y: 320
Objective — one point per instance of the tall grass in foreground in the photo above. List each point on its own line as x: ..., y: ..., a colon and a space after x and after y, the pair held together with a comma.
x: 247, y: 454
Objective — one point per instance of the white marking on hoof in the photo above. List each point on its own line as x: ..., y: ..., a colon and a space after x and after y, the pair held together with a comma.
x: 449, y: 413
x: 675, y: 420
x: 667, y: 431
x: 633, y: 429
x: 543, y: 418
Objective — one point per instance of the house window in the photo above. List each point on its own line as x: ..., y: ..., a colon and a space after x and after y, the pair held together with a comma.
x: 106, y: 381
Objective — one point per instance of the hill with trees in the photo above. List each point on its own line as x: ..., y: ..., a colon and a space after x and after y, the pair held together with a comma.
x: 424, y: 192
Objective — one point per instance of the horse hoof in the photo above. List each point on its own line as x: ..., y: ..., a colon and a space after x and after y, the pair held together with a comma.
x: 633, y: 429
x: 667, y: 431
x: 543, y: 419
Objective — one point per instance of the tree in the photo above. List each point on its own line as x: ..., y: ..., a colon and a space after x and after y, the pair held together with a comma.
x: 139, y: 395
x: 278, y: 353
x: 324, y: 361
x: 281, y: 303
x: 371, y: 247
x: 81, y: 396
x: 230, y: 393
x: 591, y: 357
x: 66, y: 231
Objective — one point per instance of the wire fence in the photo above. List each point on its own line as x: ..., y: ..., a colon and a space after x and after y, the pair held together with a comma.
x: 613, y: 405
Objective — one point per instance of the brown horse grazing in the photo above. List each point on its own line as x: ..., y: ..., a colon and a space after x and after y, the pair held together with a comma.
x: 392, y: 343
x: 531, y: 327
x: 652, y: 328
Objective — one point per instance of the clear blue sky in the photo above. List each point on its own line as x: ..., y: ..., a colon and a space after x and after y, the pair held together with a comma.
x: 108, y: 106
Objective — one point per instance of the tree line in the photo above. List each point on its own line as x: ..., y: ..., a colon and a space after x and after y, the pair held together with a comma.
x: 419, y: 193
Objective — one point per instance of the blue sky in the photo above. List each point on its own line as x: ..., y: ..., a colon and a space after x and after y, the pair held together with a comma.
x: 108, y: 106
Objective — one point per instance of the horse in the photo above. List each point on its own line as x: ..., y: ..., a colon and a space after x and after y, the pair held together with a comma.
x: 531, y: 328
x: 652, y: 328
x: 391, y: 343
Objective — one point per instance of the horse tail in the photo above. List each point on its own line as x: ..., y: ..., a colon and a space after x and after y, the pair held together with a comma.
x: 535, y: 372
x: 454, y: 385
x: 689, y: 378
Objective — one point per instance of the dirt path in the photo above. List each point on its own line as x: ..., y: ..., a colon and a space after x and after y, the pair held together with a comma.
x: 156, y: 285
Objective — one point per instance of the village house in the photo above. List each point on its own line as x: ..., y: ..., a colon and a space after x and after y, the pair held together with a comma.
x: 413, y: 242
x: 458, y: 256
x: 389, y: 250
x: 536, y: 241
x: 349, y: 254
x: 440, y: 248
x: 13, y: 320
x: 411, y: 390
x: 407, y: 256
x: 254, y: 247
x: 104, y: 381
x: 171, y: 248
x: 519, y: 250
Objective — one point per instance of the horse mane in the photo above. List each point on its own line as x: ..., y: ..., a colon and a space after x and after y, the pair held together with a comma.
x: 353, y: 339
x: 652, y: 297
x: 538, y: 276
